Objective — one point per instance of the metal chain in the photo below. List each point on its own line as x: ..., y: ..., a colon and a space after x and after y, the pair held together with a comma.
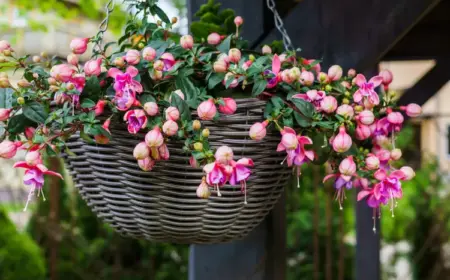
x: 109, y: 8
x: 280, y: 25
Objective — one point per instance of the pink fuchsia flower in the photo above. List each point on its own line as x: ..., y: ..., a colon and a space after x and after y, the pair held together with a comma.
x: 100, y: 107
x: 207, y: 110
x: 258, y: 130
x: 345, y: 111
x: 342, y: 141
x: 101, y: 138
x: 8, y: 149
x: 289, y: 139
x: 347, y: 166
x: 186, y: 42
x: 29, y: 132
x: 367, y: 89
x: 4, y: 114
x: 133, y: 57
x: 79, y: 45
x: 351, y: 73
x: 391, y: 187
x: 216, y: 175
x: 214, y: 39
x: 372, y: 162
x: 146, y: 164
x: 229, y: 106
x: 34, y: 177
x: 168, y: 60
x: 286, y: 76
x: 93, y: 67
x: 151, y: 108
x: 62, y: 72
x: 154, y: 138
x: 240, y: 174
x: 72, y: 59
x: 306, y: 78
x: 412, y: 110
x: 148, y: 53
x: 366, y: 117
x: 125, y: 86
x: 343, y: 179
x: 313, y: 96
x: 158, y: 65
x: 238, y: 21
x: 141, y: 151
x: 335, y: 72
x: 79, y: 81
x: 387, y: 78
x: 220, y: 66
x: 224, y: 155
x: 234, y: 55
x: 298, y: 155
x: 170, y: 127
x: 328, y: 104
x: 203, y: 189
x: 247, y: 65
x: 408, y: 172
x: 392, y: 123
x: 266, y: 49
x: 272, y: 75
x: 172, y: 113
x: 136, y: 120
x: 362, y: 132
x: 396, y: 154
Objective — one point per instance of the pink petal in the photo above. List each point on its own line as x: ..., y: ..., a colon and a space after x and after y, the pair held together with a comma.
x: 139, y: 113
x: 137, y: 86
x: 52, y: 173
x: 42, y: 168
x: 357, y: 96
x: 376, y: 81
x: 329, y: 177
x: 376, y: 191
x: 276, y: 64
x: 398, y: 174
x: 132, y: 71
x: 301, y: 96
x: 380, y: 174
x: 127, y: 115
x: 113, y: 72
x: 287, y: 129
x: 304, y: 140
x: 360, y: 80
x: 362, y: 194
x: 22, y: 164
x: 209, y: 167
x: 310, y: 155
x: 280, y: 147
x: 374, y: 98
x: 246, y: 162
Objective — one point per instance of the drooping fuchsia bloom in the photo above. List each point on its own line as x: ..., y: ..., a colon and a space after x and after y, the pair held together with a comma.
x: 203, y: 189
x: 216, y: 175
x: 93, y: 67
x: 342, y: 141
x: 347, y: 170
x: 412, y: 110
x: 240, y: 174
x: 313, y: 96
x: 62, y: 72
x: 273, y: 78
x: 362, y: 132
x: 295, y: 149
x: 146, y: 164
x: 390, y: 186
x: 229, y: 106
x: 390, y: 124
x: 79, y: 81
x: 258, y: 130
x: 4, y: 114
x: 374, y: 200
x: 306, y: 78
x: 136, y: 120
x: 224, y: 155
x: 125, y: 86
x: 168, y: 60
x: 148, y: 53
x: 79, y: 45
x: 34, y: 175
x: 367, y: 89
x: 206, y: 110
x: 133, y: 57
x: 8, y: 149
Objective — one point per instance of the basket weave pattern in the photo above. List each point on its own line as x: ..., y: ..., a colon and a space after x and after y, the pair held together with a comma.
x: 161, y: 204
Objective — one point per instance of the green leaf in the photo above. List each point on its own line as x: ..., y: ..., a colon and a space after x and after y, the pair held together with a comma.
x: 288, y: 121
x: 87, y: 103
x: 35, y: 112
x: 198, y: 155
x: 277, y: 102
x: 259, y: 87
x: 86, y: 137
x: 182, y: 107
x: 301, y: 120
x: 6, y: 96
x: 215, y: 79
x: 69, y: 152
x: 229, y: 81
x: 254, y: 70
x: 92, y: 87
x: 325, y: 124
x: 304, y: 106
x: 17, y: 123
x: 146, y: 97
x: 268, y: 110
x: 191, y: 92
x: 161, y: 14
x: 224, y: 47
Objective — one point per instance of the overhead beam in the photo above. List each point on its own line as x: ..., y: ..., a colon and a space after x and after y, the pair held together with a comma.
x: 429, y: 84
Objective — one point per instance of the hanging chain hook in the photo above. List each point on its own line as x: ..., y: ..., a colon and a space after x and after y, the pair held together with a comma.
x: 109, y: 8
x: 280, y: 25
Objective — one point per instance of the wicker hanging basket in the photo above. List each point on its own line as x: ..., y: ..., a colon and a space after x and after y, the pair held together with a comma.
x: 162, y: 205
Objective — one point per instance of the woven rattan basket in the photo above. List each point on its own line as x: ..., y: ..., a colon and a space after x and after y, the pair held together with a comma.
x: 162, y: 205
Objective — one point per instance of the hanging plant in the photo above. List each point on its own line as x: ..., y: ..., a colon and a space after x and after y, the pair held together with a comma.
x: 168, y: 87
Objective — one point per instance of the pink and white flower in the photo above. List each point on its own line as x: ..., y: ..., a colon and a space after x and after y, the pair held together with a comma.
x: 367, y: 89
x: 136, y: 120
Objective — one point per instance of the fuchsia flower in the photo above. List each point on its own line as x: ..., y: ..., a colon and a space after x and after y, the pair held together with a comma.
x: 335, y: 72
x: 240, y: 174
x: 4, y: 45
x: 328, y: 104
x: 342, y: 141
x: 8, y: 149
x: 79, y: 81
x: 345, y: 111
x: 133, y: 57
x: 366, y: 117
x: 34, y: 175
x: 168, y: 60
x: 187, y: 42
x: 151, y: 108
x: 172, y: 113
x: 136, y: 120
x: 362, y: 132
x: 125, y: 86
x: 154, y: 138
x: 258, y: 130
x: 294, y: 145
x: 148, y: 53
x: 206, y: 110
x: 4, y: 114
x: 79, y: 45
x: 412, y: 110
x: 146, y: 164
x: 306, y: 78
x: 273, y: 77
x: 224, y: 155
x: 93, y: 67
x: 347, y: 170
x: 313, y: 96
x: 367, y: 89
x: 214, y: 39
x: 62, y: 72
x: 216, y: 175
x: 392, y: 123
x: 170, y: 127
x: 229, y: 106
x: 100, y: 107
x: 203, y: 189
x: 141, y: 151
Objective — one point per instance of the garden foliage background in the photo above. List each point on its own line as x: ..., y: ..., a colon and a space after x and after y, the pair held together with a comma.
x: 64, y: 240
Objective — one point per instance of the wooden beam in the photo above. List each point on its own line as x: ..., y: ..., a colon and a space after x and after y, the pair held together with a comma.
x: 429, y: 84
x: 351, y: 33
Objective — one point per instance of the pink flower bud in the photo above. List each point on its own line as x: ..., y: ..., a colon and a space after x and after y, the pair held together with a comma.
x: 323, y: 77
x: 141, y: 151
x: 342, y: 141
x: 289, y: 141
x: 79, y: 45
x: 224, y: 155
x: 156, y: 75
x: 29, y: 132
x: 151, y: 108
x: 372, y: 162
x: 362, y: 132
x: 238, y: 21
x: 177, y: 92
x: 387, y: 77
x: 229, y: 107
x: 220, y: 66
x: 7, y: 149
x: 258, y: 130
x: 133, y: 57
x: 395, y: 118
x: 72, y: 59
x: 163, y: 151
x: 4, y: 114
x: 286, y: 77
x: 154, y: 138
x: 409, y: 173
x: 345, y: 111
x: 328, y: 104
x: 93, y: 67
x: 100, y: 107
x: 146, y: 164
x: 306, y: 78
x: 62, y: 72
x: 170, y: 127
x: 4, y: 45
x: 266, y: 49
x: 234, y: 55
x: 172, y: 113
x: 335, y: 72
x: 366, y: 117
x: 294, y: 73
x: 193, y: 162
x: 203, y: 190
x: 33, y: 158
x: 148, y: 53
x: 412, y: 110
x: 396, y: 154
x: 158, y: 65
x: 214, y: 39
x: 187, y: 42
x: 347, y: 167
x: 119, y: 62
x: 351, y: 73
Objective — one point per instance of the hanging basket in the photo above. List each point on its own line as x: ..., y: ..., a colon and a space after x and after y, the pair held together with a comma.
x: 162, y: 205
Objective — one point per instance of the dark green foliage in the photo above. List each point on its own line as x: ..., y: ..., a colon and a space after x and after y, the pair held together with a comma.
x: 20, y: 257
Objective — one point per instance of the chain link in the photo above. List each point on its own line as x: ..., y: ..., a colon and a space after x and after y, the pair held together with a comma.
x: 280, y: 25
x: 109, y: 8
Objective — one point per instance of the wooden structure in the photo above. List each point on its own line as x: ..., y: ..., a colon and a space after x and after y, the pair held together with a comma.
x: 356, y: 34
